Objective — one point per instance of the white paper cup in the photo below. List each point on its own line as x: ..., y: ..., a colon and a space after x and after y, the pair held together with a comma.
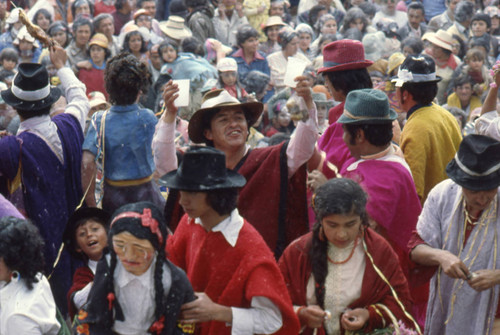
x: 294, y: 68
x: 183, y: 98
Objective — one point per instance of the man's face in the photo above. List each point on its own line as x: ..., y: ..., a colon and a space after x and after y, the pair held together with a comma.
x: 277, y: 9
x: 150, y: 6
x: 228, y: 129
x: 415, y: 17
x: 107, y: 27
x: 452, y: 5
x: 155, y: 60
x: 389, y: 6
x: 464, y: 93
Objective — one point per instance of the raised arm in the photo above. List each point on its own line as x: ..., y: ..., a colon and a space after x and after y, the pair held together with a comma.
x: 164, y: 138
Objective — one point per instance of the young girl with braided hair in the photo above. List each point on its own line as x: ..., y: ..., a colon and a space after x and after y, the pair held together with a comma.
x: 343, y: 276
x: 136, y: 289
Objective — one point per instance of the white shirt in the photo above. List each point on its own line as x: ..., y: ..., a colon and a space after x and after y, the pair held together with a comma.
x: 80, y: 297
x: 28, y: 312
x: 488, y: 124
x: 263, y: 317
x: 78, y: 106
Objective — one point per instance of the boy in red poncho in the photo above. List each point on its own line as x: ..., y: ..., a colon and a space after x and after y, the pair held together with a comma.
x: 239, y: 286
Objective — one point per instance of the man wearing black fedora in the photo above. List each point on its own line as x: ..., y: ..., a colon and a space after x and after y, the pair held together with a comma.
x: 431, y: 134
x: 274, y: 197
x: 457, y: 242
x: 43, y: 160
x: 232, y: 270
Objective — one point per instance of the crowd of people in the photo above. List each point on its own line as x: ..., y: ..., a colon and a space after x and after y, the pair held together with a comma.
x: 359, y: 195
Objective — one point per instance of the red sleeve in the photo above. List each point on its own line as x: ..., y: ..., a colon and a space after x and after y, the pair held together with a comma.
x: 81, y: 278
x: 415, y: 240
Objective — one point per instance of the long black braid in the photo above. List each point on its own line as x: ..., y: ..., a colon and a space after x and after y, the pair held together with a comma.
x: 337, y: 196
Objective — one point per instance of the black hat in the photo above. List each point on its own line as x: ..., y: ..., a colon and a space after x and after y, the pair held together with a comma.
x: 476, y: 165
x: 31, y: 88
x: 202, y: 169
x: 76, y: 217
x: 417, y: 69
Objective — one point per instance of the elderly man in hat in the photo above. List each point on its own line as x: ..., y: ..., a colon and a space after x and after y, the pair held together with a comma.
x: 273, y: 199
x: 233, y: 271
x: 45, y: 157
x: 431, y: 134
x: 457, y: 239
x: 379, y: 167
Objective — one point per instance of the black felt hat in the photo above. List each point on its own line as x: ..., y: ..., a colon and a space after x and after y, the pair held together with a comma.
x: 476, y: 165
x: 417, y: 69
x: 202, y: 169
x: 31, y: 88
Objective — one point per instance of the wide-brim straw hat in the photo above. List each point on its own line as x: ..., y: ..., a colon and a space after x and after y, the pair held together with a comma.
x: 202, y: 169
x: 367, y: 106
x: 274, y: 21
x: 212, y: 102
x: 442, y: 39
x: 476, y: 165
x: 174, y: 28
x: 344, y: 55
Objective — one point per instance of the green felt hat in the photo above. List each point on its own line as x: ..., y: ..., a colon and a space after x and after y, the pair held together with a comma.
x: 367, y: 106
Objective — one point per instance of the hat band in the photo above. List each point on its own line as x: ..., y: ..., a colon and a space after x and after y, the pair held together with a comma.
x: 31, y: 95
x: 405, y: 76
x: 476, y: 174
x: 346, y: 112
x: 331, y: 64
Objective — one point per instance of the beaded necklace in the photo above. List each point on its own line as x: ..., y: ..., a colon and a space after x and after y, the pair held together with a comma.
x: 350, y: 255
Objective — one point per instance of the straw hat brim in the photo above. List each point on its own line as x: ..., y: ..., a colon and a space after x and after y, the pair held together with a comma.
x: 434, y: 40
x: 175, y: 33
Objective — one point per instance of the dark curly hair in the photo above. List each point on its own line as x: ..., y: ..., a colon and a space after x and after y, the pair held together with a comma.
x: 125, y: 77
x: 337, y: 196
x: 21, y: 248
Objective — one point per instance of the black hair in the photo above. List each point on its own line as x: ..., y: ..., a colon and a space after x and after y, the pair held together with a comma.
x: 139, y: 2
x: 79, y: 3
x: 29, y: 113
x: 9, y: 54
x: 82, y: 21
x: 57, y: 26
x: 127, y: 38
x: 368, y: 8
x: 135, y: 227
x: 119, y: 4
x: 313, y: 14
x: 482, y: 17
x: 416, y: 5
x: 107, y: 52
x: 352, y: 15
x: 377, y: 134
x: 422, y: 93
x: 256, y: 82
x: 193, y: 45
x: 45, y: 13
x: 350, y: 80
x: 21, y: 248
x: 337, y: 196
x: 99, y: 18
x: 323, y: 38
x: 414, y: 43
x: 245, y: 32
x: 464, y: 11
x: 462, y: 79
x: 125, y: 76
x: 223, y: 201
x: 285, y: 36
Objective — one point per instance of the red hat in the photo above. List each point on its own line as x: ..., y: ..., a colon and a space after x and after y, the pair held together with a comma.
x: 344, y: 55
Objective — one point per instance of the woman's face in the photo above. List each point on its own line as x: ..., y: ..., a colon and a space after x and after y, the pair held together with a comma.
x: 273, y: 32
x: 292, y: 47
x: 341, y: 229
x: 82, y: 35
x: 135, y: 43
x: 5, y: 273
x: 168, y: 54
x: 83, y: 9
x: 330, y: 27
x: 60, y: 37
x: 97, y: 54
x: 250, y: 45
x: 42, y: 21
x: 136, y: 255
x: 304, y: 41
x: 358, y: 23
x: 477, y: 201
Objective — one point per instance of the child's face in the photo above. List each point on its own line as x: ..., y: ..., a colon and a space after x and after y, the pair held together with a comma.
x: 273, y: 32
x: 284, y: 118
x: 97, y: 54
x: 322, y: 112
x: 479, y: 28
x: 25, y: 45
x: 475, y: 64
x: 135, y: 254
x: 9, y: 64
x: 408, y: 51
x: 91, y: 239
x: 228, y: 77
x: 168, y: 54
